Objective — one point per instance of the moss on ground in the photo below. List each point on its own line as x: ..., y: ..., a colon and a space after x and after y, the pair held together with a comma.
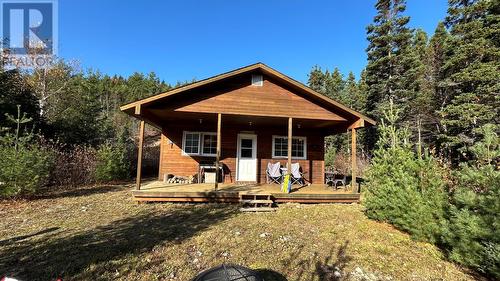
x: 99, y: 233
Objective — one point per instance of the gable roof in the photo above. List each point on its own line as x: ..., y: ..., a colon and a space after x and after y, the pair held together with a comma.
x: 130, y: 107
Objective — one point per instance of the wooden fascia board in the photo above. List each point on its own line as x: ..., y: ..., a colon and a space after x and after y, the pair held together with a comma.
x: 360, y: 123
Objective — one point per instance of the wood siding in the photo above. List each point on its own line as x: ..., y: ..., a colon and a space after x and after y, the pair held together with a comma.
x: 173, y: 162
x: 238, y: 96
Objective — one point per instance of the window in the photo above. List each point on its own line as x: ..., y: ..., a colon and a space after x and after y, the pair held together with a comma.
x: 280, y: 147
x: 257, y: 80
x: 246, y: 148
x: 199, y: 143
x: 209, y: 144
x: 191, y: 143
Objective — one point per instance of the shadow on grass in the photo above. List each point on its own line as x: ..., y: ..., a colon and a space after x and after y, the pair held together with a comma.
x: 65, y: 192
x: 270, y: 275
x: 330, y: 268
x: 96, y: 251
x: 22, y: 237
x: 333, y: 269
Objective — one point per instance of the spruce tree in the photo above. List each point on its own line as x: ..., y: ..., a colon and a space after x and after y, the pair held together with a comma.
x: 351, y: 92
x: 471, y: 74
x: 316, y: 80
x: 386, y: 72
x: 335, y: 85
x: 436, y: 51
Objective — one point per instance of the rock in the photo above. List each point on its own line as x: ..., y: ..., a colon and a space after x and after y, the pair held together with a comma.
x: 285, y: 238
x: 237, y: 233
x: 337, y: 274
x: 195, y: 260
x: 263, y: 235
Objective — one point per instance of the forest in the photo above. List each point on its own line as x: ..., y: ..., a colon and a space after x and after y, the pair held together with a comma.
x: 433, y: 159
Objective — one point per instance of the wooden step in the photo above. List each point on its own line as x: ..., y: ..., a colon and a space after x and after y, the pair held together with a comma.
x: 258, y: 209
x: 253, y: 201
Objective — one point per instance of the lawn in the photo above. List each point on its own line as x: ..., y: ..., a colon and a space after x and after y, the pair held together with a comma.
x: 99, y: 233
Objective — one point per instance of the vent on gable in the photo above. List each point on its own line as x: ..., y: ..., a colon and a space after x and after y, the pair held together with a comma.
x: 257, y: 80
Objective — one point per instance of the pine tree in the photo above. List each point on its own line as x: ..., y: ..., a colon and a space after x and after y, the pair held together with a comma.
x: 386, y: 72
x: 403, y: 189
x: 471, y: 74
x: 473, y: 235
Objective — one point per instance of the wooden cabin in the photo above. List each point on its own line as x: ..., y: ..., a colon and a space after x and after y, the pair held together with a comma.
x: 238, y: 122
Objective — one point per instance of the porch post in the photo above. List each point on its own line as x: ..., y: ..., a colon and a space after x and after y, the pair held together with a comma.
x: 354, y: 166
x: 139, y: 156
x: 217, y: 155
x: 289, y: 167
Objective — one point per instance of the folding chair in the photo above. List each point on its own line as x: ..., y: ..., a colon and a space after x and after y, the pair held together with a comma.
x: 273, y: 173
x: 297, y: 175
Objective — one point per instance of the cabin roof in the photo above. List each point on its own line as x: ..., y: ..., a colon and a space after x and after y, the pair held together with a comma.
x: 130, y: 108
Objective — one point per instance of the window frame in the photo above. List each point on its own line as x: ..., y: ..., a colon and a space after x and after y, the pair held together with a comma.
x: 273, y: 155
x: 257, y: 80
x: 200, y: 143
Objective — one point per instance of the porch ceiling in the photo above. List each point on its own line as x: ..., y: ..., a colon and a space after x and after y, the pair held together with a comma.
x: 165, y: 118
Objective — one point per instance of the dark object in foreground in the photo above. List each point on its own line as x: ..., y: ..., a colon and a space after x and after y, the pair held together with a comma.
x: 228, y: 272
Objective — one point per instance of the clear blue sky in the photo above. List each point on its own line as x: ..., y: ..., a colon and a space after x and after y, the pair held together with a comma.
x: 182, y: 40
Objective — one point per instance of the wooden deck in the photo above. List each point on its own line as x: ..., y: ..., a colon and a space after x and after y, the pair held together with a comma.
x: 230, y: 193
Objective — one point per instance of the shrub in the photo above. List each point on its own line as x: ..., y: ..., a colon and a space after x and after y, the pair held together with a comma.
x: 112, y: 162
x: 24, y: 165
x: 23, y: 170
x: 473, y: 235
x: 74, y: 165
x: 403, y: 189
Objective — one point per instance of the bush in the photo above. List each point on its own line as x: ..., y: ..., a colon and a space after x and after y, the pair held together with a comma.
x: 23, y: 171
x: 74, y: 165
x: 473, y: 235
x: 112, y: 162
x: 24, y: 165
x: 403, y: 189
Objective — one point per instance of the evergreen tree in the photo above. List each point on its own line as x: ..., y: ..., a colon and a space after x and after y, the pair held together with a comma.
x: 471, y: 74
x: 334, y: 85
x: 386, y: 72
x: 13, y: 93
x: 473, y: 236
x: 403, y: 189
x: 316, y: 80
x: 435, y: 61
x: 351, y: 95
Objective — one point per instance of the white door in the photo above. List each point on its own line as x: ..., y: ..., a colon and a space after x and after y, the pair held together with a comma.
x: 246, y: 169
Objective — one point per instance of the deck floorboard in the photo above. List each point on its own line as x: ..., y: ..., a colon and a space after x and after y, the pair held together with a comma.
x: 315, y: 193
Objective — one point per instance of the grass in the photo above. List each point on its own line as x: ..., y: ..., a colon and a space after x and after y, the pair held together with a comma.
x: 99, y: 233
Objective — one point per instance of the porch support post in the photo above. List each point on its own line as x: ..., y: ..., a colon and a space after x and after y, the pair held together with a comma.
x: 217, y: 155
x: 354, y: 166
x: 290, y: 125
x: 139, y: 156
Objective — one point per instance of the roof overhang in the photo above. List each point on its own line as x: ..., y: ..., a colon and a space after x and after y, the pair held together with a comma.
x: 136, y: 108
